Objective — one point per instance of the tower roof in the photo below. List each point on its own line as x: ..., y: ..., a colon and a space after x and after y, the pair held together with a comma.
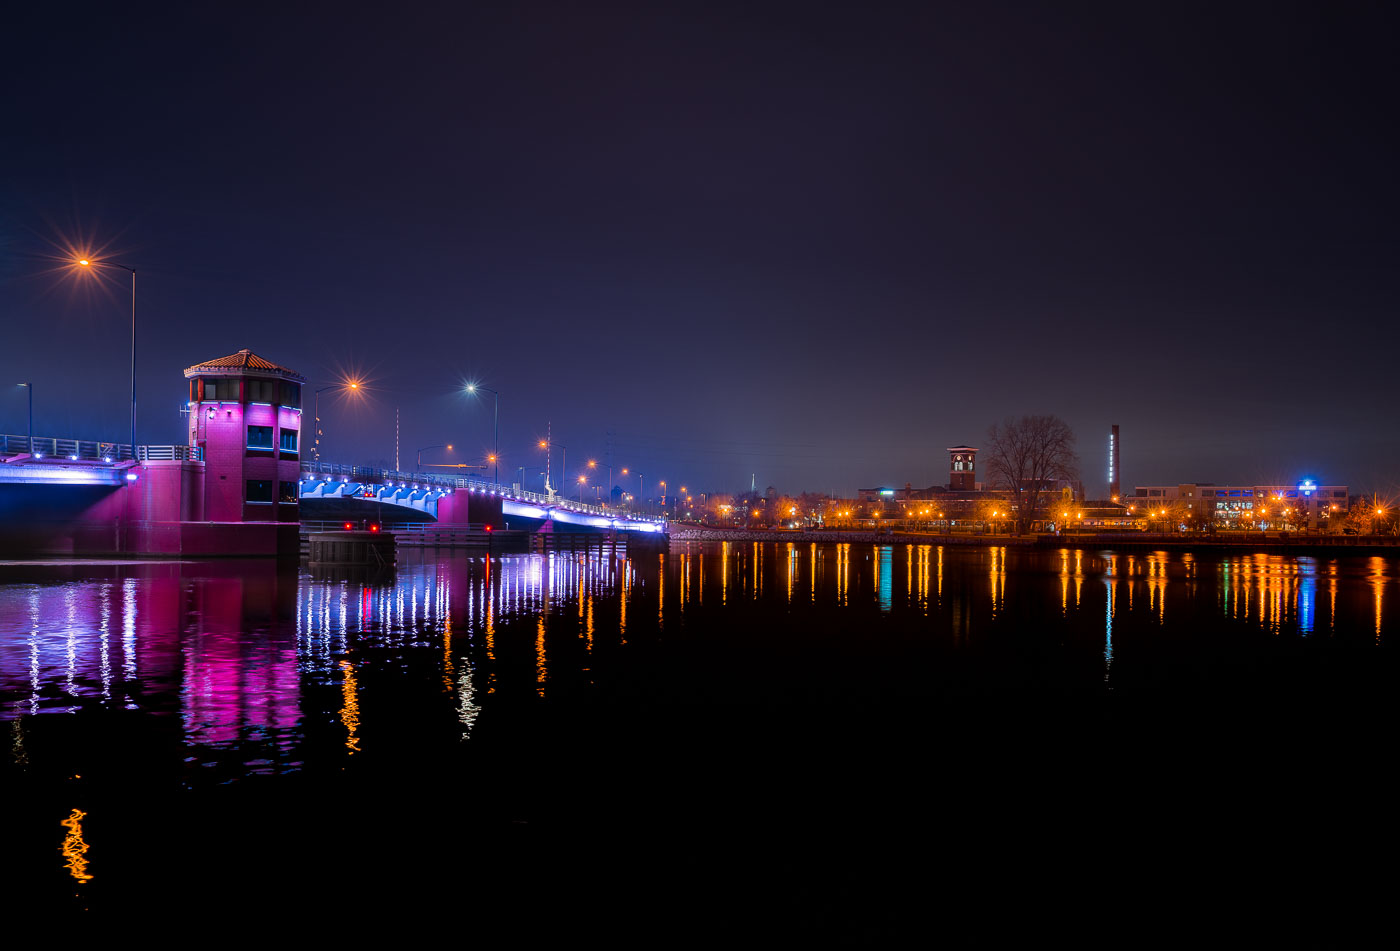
x: 960, y: 449
x: 243, y: 360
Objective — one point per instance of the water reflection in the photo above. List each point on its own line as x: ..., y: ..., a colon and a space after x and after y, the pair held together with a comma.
x: 350, y: 713
x: 256, y: 664
x: 884, y: 577
x: 1282, y: 594
x: 1378, y: 586
x: 998, y: 578
x: 75, y: 848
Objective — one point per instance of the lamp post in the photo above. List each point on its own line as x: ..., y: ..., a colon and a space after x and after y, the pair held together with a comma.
x: 582, y: 481
x: 548, y: 445
x: 641, y: 487
x: 419, y: 466
x: 316, y: 412
x: 521, y: 470
x: 593, y: 464
x: 30, y: 387
x: 495, y: 427
x: 85, y: 262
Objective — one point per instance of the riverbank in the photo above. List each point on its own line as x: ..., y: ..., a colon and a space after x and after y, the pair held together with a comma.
x: 1289, y: 542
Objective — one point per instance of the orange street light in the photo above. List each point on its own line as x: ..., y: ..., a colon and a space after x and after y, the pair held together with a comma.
x: 448, y: 447
x: 92, y: 266
x: 316, y: 411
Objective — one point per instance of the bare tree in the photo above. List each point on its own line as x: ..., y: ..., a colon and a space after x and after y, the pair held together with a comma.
x: 1025, y: 459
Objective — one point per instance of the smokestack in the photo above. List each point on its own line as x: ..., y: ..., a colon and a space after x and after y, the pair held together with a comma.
x: 1115, y: 472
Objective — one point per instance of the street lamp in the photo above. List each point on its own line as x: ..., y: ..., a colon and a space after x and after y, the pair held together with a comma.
x: 419, y: 467
x: 91, y: 265
x: 593, y: 464
x: 30, y: 387
x: 316, y: 411
x: 582, y: 481
x: 641, y: 488
x: 495, y: 427
x: 521, y: 470
x: 548, y: 446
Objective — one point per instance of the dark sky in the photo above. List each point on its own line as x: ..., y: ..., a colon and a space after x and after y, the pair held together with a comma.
x: 818, y: 246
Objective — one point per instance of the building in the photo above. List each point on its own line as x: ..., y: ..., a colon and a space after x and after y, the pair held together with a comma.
x: 1233, y: 504
x: 962, y: 466
x: 245, y: 418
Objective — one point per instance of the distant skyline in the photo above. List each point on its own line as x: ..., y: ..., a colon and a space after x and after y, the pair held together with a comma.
x: 813, y: 245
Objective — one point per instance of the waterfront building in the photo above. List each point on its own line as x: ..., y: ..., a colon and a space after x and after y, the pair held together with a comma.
x: 245, y: 418
x: 1207, y: 501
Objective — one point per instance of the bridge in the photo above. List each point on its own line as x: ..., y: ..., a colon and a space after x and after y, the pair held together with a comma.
x: 435, y: 496
x: 239, y: 486
x: 121, y: 499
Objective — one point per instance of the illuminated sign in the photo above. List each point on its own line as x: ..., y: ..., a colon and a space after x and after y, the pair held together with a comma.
x: 887, y: 491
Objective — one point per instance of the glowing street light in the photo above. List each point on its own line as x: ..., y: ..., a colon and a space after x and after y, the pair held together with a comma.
x: 593, y: 464
x: 352, y: 385
x: 447, y: 446
x: 548, y: 445
x: 495, y: 427
x: 93, y: 266
x: 641, y: 488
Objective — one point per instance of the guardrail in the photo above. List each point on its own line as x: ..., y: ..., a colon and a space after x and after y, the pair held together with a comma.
x: 84, y: 450
x: 335, y: 472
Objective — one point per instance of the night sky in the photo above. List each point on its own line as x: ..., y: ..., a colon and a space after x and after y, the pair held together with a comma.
x: 815, y: 246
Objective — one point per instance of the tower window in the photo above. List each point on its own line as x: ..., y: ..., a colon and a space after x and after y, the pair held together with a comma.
x: 215, y: 389
x: 287, y: 492
x: 259, y: 490
x: 289, y: 440
x: 260, y: 437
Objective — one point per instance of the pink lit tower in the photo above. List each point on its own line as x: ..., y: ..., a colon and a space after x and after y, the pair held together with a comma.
x: 245, y: 414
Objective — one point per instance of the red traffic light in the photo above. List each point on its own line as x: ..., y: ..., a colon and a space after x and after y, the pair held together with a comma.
x: 347, y: 526
x: 488, y: 528
x: 374, y: 528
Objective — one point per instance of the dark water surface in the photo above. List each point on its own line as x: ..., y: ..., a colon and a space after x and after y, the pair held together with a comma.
x: 776, y: 742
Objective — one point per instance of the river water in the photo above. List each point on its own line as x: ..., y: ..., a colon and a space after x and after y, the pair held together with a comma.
x: 797, y: 741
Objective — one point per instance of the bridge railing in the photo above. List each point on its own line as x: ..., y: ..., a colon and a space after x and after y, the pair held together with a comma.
x: 84, y: 450
x: 331, y: 470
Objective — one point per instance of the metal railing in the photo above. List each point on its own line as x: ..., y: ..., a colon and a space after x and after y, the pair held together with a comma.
x: 333, y: 472
x: 83, y: 450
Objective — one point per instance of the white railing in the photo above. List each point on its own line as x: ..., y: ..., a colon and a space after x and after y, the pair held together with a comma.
x: 83, y: 450
x: 334, y: 472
